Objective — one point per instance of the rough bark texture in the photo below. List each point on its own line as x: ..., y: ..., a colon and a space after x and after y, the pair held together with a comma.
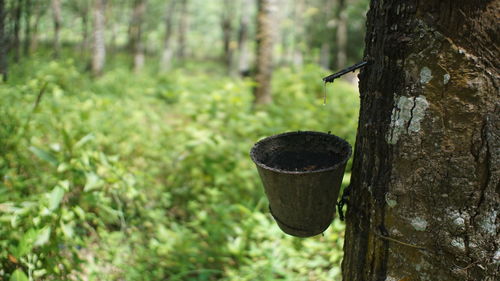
x: 262, y: 91
x: 98, y: 42
x: 3, y: 42
x: 424, y: 201
x: 167, y: 52
x: 56, y: 14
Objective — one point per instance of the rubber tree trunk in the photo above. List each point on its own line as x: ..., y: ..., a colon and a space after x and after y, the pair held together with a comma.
x: 183, y: 29
x: 298, y: 52
x: 84, y: 19
x: 264, y: 63
x: 27, y: 27
x: 227, y: 33
x: 98, y: 41
x: 424, y: 200
x: 16, y: 42
x: 136, y: 26
x: 341, y: 35
x: 34, y: 33
x: 244, y: 53
x: 56, y: 16
x: 3, y: 42
x: 167, y: 52
x: 326, y: 49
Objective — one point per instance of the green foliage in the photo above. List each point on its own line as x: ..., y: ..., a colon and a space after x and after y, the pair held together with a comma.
x: 147, y: 177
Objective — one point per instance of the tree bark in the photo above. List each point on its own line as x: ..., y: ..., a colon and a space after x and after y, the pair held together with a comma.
x: 16, y: 42
x: 34, y: 33
x: 298, y: 56
x: 264, y: 63
x: 56, y: 14
x: 183, y: 30
x: 244, y: 54
x: 424, y: 199
x: 341, y: 35
x: 325, y: 52
x: 166, y: 55
x: 136, y: 26
x: 84, y: 17
x: 98, y: 42
x: 227, y: 33
x: 27, y: 27
x: 3, y: 42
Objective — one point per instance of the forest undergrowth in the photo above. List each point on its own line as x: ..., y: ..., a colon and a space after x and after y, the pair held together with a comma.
x: 148, y: 176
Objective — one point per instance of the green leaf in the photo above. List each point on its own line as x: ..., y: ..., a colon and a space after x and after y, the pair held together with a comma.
x: 44, y: 155
x: 18, y: 275
x: 43, y: 236
x: 25, y: 243
x: 84, y: 140
x: 67, y: 230
x: 55, y: 198
x: 92, y: 182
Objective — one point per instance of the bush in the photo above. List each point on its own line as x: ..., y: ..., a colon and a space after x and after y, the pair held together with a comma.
x: 147, y: 177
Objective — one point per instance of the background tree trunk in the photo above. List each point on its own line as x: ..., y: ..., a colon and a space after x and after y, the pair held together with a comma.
x: 264, y: 64
x: 244, y: 54
x: 341, y: 35
x: 84, y: 17
x: 27, y: 27
x: 325, y: 52
x: 298, y: 56
x: 227, y: 32
x: 3, y: 42
x: 424, y: 200
x: 98, y: 42
x: 136, y: 26
x: 56, y: 14
x: 34, y: 33
x: 183, y: 29
x: 16, y: 42
x: 167, y: 52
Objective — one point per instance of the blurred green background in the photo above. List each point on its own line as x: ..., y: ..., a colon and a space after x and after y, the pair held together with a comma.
x: 143, y: 172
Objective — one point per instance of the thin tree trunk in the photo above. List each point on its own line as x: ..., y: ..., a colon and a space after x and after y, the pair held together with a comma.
x: 341, y: 35
x: 298, y: 56
x: 34, y: 34
x: 56, y: 14
x: 27, y: 27
x: 84, y: 17
x: 264, y: 63
x: 167, y: 52
x: 16, y: 42
x: 98, y: 42
x: 136, y: 27
x: 425, y: 188
x: 326, y: 49
x: 244, y: 54
x: 183, y: 30
x: 227, y: 32
x: 3, y: 42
